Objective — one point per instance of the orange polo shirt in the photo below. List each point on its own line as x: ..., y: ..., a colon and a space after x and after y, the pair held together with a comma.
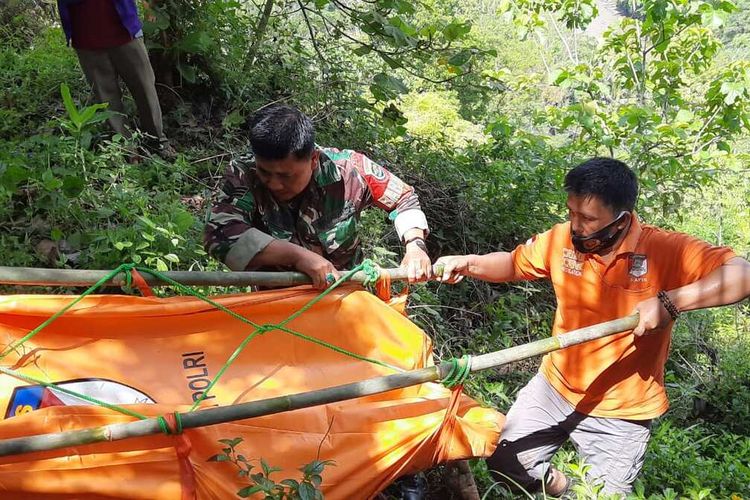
x: 620, y: 376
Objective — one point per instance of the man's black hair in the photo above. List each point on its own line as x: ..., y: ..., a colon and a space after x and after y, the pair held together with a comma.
x: 608, y: 179
x: 277, y: 131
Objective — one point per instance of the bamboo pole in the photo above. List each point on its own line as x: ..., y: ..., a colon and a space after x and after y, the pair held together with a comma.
x: 33, y: 276
x: 377, y: 385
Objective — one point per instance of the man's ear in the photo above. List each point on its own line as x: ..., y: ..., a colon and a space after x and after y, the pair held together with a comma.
x: 625, y: 221
x: 314, y: 159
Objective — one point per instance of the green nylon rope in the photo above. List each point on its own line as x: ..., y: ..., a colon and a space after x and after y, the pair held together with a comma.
x: 367, y: 267
x: 459, y: 372
x: 84, y: 397
x: 15, y: 345
x: 165, y: 427
x: 98, y: 402
x: 371, y: 273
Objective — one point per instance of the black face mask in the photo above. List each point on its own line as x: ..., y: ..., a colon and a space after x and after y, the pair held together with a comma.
x: 600, y: 240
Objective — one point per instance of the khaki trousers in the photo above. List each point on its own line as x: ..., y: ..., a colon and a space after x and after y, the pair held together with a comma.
x: 540, y: 421
x: 103, y: 68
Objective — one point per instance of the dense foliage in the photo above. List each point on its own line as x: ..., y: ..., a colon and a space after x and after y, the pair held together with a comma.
x: 482, y: 105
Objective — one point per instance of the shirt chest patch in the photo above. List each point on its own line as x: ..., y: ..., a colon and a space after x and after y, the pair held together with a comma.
x: 571, y: 263
x: 637, y: 267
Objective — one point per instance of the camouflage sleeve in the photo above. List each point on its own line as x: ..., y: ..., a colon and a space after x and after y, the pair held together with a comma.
x: 229, y: 234
x: 392, y: 194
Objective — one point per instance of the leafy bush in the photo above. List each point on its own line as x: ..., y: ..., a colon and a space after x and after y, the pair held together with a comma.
x: 307, y: 488
x: 30, y: 84
x: 700, y: 461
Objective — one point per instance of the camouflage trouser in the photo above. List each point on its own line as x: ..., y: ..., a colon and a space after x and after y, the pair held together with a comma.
x: 541, y: 420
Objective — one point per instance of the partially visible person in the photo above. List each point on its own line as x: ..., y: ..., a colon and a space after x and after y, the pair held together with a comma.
x: 291, y: 204
x: 107, y: 35
x: 603, y: 264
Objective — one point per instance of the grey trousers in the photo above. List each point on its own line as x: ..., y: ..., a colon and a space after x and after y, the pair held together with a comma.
x: 541, y: 420
x: 130, y: 62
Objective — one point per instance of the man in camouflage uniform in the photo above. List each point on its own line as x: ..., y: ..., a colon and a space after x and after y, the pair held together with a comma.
x: 292, y: 204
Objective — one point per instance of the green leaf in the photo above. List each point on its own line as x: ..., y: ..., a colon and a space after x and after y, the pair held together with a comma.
x: 558, y: 76
x: 315, y: 467
x: 56, y: 234
x: 161, y: 266
x: 248, y: 490
x: 267, y: 469
x: 291, y: 483
x: 391, y: 83
x: 197, y: 42
x: 147, y: 221
x: 713, y: 19
x: 160, y: 22
x: 50, y: 182
x: 87, y: 115
x: 188, y: 72
x: 456, y: 30
x: 393, y: 63
x: 404, y: 7
x: 121, y: 245
x: 72, y: 186
x: 460, y: 58
x: 732, y: 91
x: 306, y: 491
x: 684, y: 116
x: 362, y: 50
x: 70, y: 107
x: 399, y: 37
x: 233, y: 119
x: 220, y: 457
x: 232, y: 443
x: 172, y: 258
x: 11, y: 175
x: 183, y: 220
x: 85, y: 139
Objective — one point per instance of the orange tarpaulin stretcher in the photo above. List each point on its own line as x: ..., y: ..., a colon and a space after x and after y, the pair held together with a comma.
x: 156, y: 356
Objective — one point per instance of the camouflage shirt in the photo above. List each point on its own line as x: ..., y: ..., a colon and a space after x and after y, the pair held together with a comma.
x: 324, y: 218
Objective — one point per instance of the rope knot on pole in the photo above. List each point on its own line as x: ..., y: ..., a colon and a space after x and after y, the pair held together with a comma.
x: 127, y: 270
x: 371, y: 272
x: 459, y: 372
x: 171, y: 423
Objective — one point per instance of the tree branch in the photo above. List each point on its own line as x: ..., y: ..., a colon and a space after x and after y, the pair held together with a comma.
x: 311, y: 31
x: 259, y: 32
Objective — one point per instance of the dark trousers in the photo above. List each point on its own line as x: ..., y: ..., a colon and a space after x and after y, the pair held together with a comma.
x: 103, y: 68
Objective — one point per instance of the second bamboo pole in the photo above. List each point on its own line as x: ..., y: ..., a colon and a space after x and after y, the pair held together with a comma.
x: 212, y: 416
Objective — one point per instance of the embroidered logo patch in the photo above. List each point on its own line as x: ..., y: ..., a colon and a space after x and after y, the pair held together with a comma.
x: 638, y: 265
x: 570, y: 262
x: 373, y: 169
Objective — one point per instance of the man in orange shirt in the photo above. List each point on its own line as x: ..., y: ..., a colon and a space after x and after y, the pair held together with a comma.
x: 603, y: 265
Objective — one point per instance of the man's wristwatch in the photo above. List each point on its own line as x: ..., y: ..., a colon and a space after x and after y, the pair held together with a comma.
x: 419, y: 241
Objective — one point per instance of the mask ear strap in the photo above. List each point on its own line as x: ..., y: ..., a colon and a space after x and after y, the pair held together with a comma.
x: 630, y: 217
